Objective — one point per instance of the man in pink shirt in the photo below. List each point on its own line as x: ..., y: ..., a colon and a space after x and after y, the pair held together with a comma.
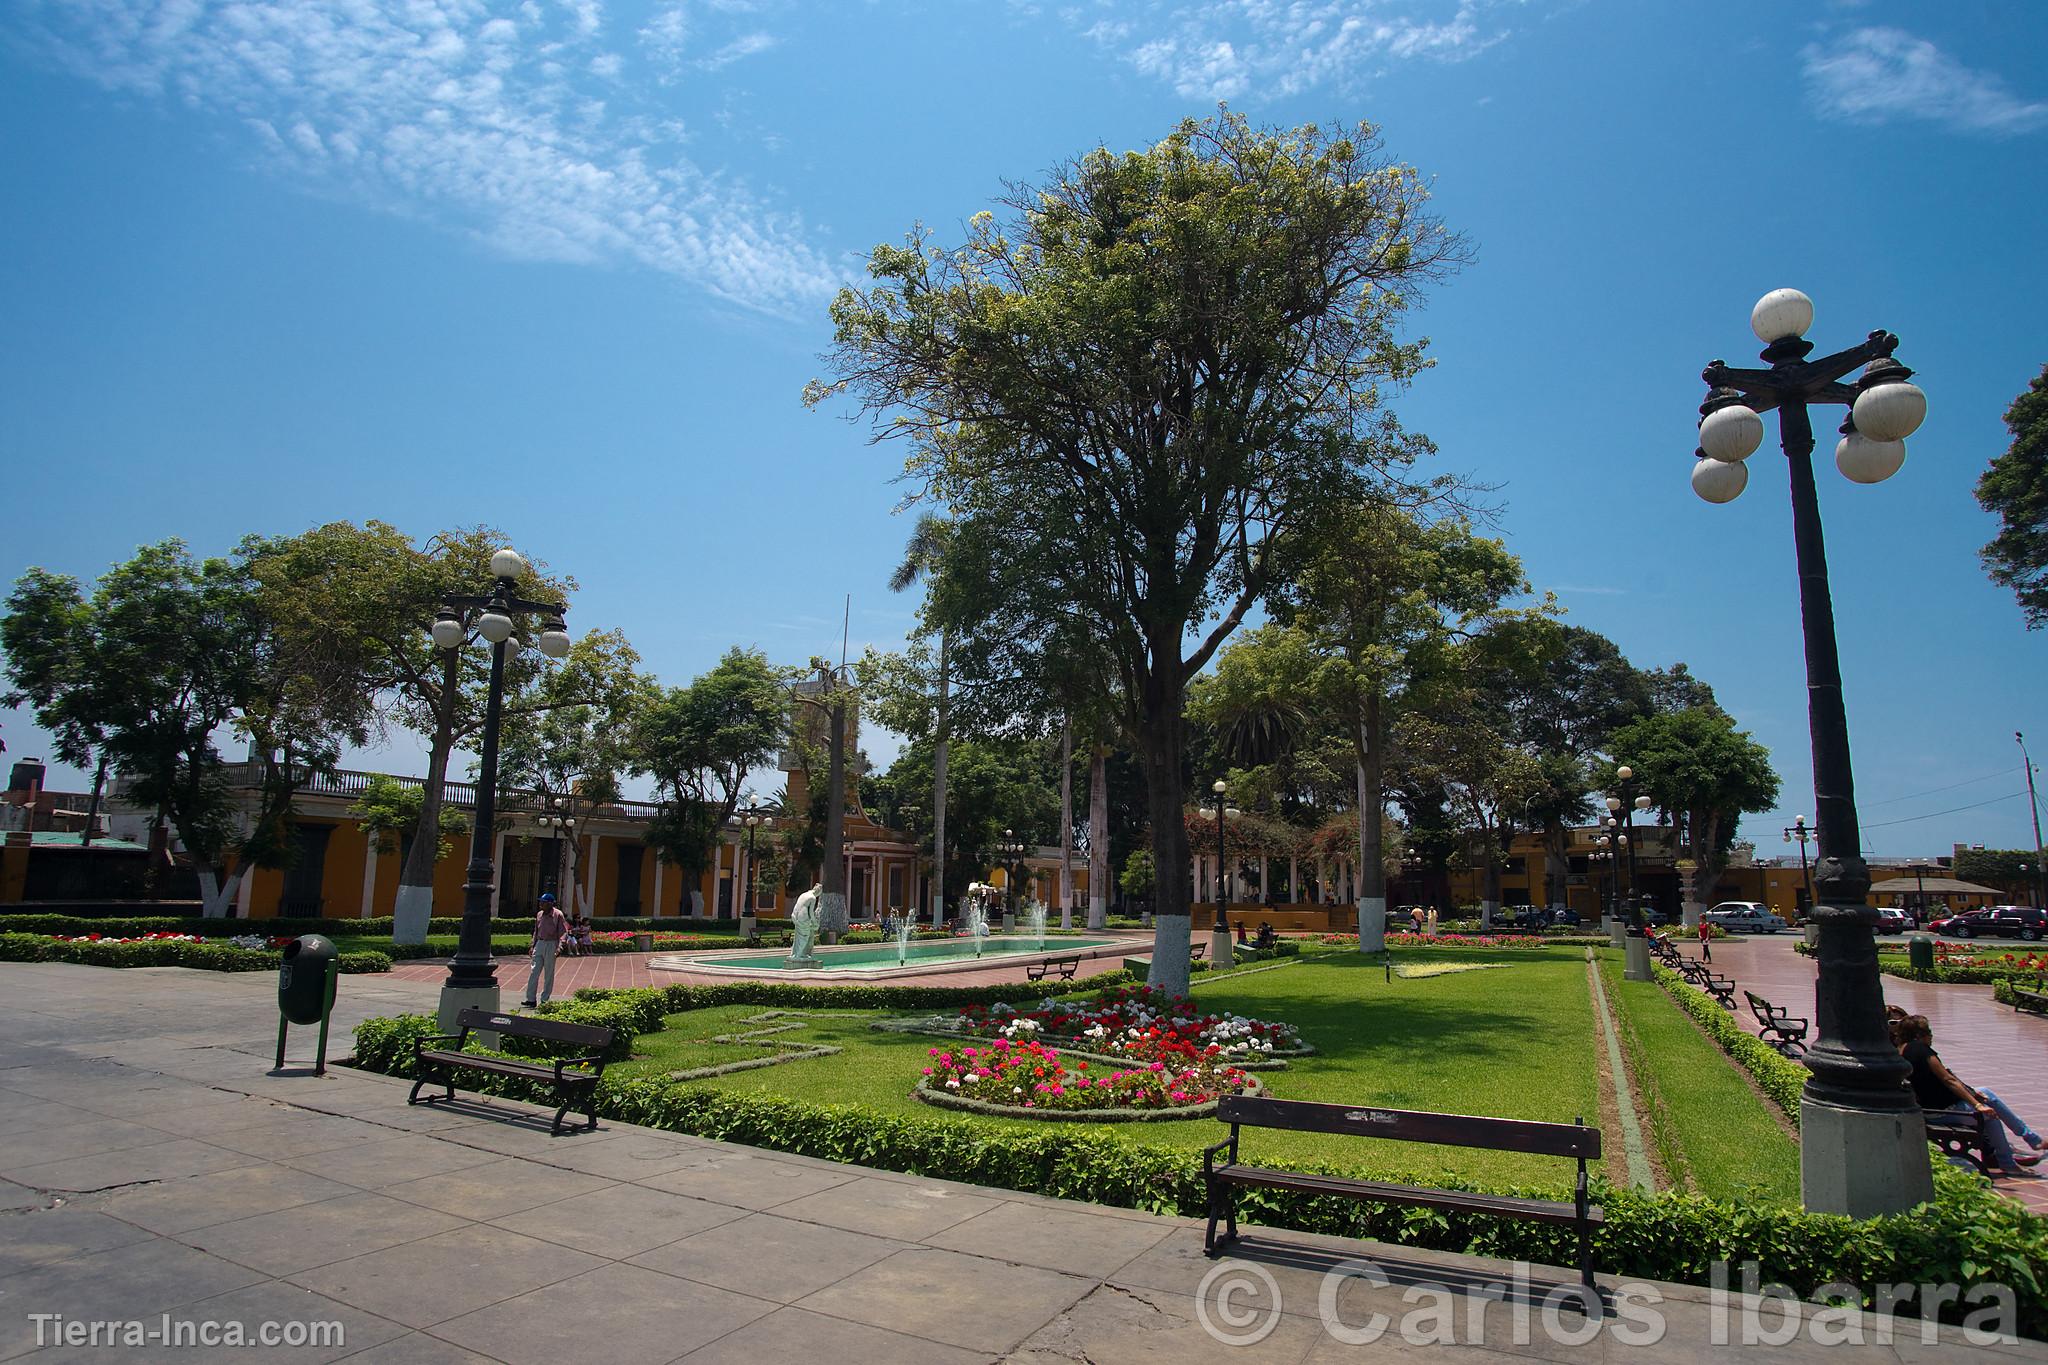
x: 548, y: 928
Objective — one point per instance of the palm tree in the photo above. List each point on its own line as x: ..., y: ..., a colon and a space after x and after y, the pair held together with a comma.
x: 922, y: 556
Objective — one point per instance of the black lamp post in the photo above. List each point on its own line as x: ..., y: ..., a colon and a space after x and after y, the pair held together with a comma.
x: 751, y: 819
x: 472, y: 978
x: 2034, y: 809
x: 1863, y: 1148
x: 1012, y: 849
x: 1219, y: 937
x: 1625, y: 806
x: 1799, y: 832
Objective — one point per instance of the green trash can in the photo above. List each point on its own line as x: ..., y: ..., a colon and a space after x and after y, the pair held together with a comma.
x: 305, y: 981
x: 1920, y: 952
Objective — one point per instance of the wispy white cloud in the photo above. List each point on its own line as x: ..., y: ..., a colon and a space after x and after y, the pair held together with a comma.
x: 746, y: 45
x: 1254, y: 49
x: 1882, y: 75
x: 488, y: 119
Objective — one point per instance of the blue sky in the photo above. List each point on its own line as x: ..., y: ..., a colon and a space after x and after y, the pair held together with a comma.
x: 563, y: 267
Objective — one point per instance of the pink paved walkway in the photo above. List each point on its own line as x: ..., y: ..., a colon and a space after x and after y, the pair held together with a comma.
x: 1984, y: 1042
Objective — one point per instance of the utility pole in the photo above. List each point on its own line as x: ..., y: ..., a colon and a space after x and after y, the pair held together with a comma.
x: 2033, y: 809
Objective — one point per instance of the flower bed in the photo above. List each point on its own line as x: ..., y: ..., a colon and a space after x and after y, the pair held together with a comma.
x: 1031, y: 1080
x: 1955, y: 964
x: 1138, y: 1023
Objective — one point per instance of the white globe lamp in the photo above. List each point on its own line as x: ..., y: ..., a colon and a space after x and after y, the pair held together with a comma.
x: 1890, y: 412
x: 495, y: 627
x: 507, y: 564
x: 1863, y: 460
x: 447, y: 630
x: 1731, y: 433
x: 1718, y: 481
x: 1781, y: 314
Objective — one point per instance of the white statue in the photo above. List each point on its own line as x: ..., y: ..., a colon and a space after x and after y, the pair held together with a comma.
x: 803, y: 926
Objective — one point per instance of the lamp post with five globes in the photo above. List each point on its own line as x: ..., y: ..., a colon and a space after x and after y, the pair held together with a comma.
x: 472, y: 979
x: 1219, y: 936
x: 1863, y: 1146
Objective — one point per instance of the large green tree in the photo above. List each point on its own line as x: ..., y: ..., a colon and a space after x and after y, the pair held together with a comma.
x: 1163, y: 370
x: 1697, y: 766
x: 698, y: 743
x: 376, y: 593
x: 2015, y: 487
x: 169, y: 651
x: 569, y: 752
x: 1386, y: 597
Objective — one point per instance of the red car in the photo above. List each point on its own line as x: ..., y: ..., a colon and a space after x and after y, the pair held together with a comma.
x: 1994, y: 921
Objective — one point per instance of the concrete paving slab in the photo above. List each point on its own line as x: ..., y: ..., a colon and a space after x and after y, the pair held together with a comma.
x: 299, y: 1238
x: 390, y: 1161
x: 728, y: 1175
x: 890, y: 1208
x: 620, y: 1221
x: 1063, y: 1239
x: 770, y: 1257
x: 173, y: 1206
x: 619, y: 1313
x: 170, y: 1159
x: 905, y: 1293
x: 496, y: 1187
x: 420, y: 1283
x: 144, y: 1278
x: 794, y: 1334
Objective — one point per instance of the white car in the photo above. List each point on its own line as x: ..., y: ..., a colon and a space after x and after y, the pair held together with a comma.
x: 1744, y: 917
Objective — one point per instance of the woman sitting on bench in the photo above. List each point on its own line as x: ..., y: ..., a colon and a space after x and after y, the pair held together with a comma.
x: 1938, y: 1088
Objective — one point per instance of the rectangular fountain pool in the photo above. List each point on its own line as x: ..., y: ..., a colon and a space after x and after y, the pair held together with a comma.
x: 882, y: 958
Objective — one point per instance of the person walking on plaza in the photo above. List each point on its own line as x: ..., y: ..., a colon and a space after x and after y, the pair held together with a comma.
x: 548, y: 929
x: 1706, y: 941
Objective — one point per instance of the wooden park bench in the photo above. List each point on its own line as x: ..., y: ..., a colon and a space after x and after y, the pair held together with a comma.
x: 574, y: 1079
x: 2033, y: 1001
x: 1720, y: 987
x: 1778, y: 1028
x: 1063, y: 967
x: 1960, y: 1135
x: 1223, y: 1173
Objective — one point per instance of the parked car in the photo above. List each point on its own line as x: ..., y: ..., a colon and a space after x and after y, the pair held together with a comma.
x: 1744, y: 917
x: 1892, y: 920
x: 1995, y: 921
x: 1564, y: 917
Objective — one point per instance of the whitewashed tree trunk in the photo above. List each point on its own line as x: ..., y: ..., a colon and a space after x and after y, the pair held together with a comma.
x: 939, y: 791
x: 1098, y: 839
x: 1067, y: 824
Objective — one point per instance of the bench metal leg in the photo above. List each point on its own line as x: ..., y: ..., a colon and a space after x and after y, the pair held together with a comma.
x: 1222, y: 1207
x: 426, y: 1078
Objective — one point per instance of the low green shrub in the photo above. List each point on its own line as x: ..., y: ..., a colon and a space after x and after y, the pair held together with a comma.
x: 1966, y: 1235
x: 211, y: 957
x: 1779, y: 1077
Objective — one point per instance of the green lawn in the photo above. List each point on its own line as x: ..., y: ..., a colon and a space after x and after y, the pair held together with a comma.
x: 1711, y: 1130
x: 1516, y: 1041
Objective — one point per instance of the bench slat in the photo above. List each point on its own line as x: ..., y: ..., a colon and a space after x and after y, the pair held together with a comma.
x: 507, y: 1068
x: 1406, y: 1125
x: 1506, y: 1206
x: 527, y: 1026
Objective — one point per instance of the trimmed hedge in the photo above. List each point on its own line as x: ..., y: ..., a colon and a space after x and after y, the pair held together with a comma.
x: 210, y: 957
x: 1781, y: 1078
x: 1967, y: 1234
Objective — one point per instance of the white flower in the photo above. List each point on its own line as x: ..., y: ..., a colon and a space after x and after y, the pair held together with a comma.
x: 952, y: 1085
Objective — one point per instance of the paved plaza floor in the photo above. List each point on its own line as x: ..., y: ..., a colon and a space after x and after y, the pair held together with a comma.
x: 155, y: 1172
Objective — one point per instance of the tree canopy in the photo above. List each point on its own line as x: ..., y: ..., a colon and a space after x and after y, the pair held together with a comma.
x: 2016, y: 488
x: 1162, y: 373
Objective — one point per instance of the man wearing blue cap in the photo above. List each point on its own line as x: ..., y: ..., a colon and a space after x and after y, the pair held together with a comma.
x: 548, y: 928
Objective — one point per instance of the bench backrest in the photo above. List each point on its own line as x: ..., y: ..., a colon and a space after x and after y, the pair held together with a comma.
x: 527, y: 1026
x: 1760, y: 1006
x: 1408, y: 1125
